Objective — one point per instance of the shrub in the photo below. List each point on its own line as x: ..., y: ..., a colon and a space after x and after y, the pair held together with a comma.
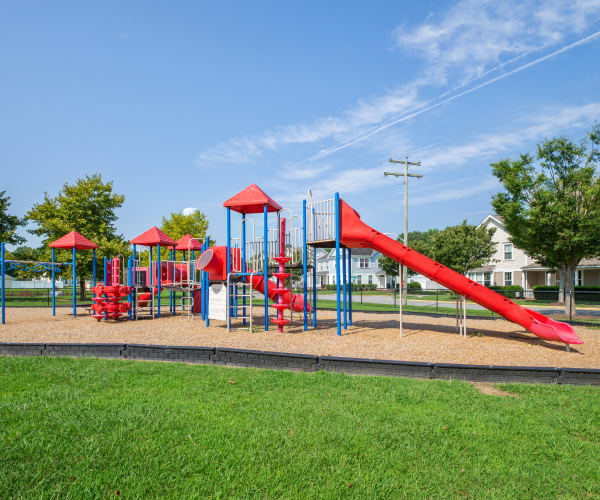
x: 582, y: 293
x: 509, y: 291
x: 414, y: 285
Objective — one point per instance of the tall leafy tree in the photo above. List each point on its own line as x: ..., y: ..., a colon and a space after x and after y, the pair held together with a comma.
x: 421, y: 241
x: 9, y: 223
x: 463, y: 247
x: 178, y: 225
x: 87, y: 206
x: 551, y: 204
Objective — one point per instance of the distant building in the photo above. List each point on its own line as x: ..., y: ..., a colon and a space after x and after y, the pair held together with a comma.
x: 366, y: 270
x: 512, y: 266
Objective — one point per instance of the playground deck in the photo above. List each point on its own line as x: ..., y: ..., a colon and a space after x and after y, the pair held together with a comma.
x: 489, y: 342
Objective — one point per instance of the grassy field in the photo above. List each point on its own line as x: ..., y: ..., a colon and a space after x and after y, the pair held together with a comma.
x: 370, y: 306
x: 97, y: 428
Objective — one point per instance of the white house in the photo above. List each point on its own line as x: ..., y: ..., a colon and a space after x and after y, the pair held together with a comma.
x: 365, y: 270
x: 511, y: 265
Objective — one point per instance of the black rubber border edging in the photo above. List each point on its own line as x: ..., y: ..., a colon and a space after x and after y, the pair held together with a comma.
x: 310, y: 363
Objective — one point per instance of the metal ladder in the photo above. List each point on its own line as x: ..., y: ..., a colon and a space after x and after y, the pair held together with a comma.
x: 232, y: 301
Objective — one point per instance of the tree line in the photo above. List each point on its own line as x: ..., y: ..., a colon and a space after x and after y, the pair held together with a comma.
x: 88, y: 206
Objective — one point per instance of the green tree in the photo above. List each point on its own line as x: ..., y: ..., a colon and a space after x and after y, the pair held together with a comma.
x: 421, y: 241
x: 88, y: 206
x: 9, y: 223
x: 178, y: 225
x: 551, y: 204
x: 463, y: 247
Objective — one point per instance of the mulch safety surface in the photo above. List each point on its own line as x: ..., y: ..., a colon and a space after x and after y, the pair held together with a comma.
x: 376, y: 336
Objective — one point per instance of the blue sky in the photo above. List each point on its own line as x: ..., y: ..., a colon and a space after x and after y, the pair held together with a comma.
x: 183, y: 104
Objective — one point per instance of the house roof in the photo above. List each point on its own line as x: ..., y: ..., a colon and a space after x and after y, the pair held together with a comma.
x: 536, y: 266
x: 482, y: 269
x: 153, y: 237
x: 326, y: 253
x: 73, y: 239
x: 362, y: 251
x: 252, y: 200
x: 498, y: 218
x: 188, y: 242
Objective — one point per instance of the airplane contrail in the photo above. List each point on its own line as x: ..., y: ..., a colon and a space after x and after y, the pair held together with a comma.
x: 376, y: 130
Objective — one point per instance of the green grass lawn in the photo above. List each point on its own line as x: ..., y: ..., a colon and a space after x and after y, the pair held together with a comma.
x: 87, y: 428
x: 370, y: 306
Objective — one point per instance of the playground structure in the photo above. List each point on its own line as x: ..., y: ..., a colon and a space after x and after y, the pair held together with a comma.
x: 219, y: 284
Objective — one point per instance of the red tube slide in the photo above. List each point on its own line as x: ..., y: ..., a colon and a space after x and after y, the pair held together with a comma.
x: 356, y: 234
x: 214, y: 261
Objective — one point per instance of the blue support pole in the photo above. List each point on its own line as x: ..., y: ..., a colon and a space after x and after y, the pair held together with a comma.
x: 150, y: 270
x: 2, y: 282
x: 304, y: 267
x: 266, y: 270
x: 314, y: 274
x: 345, y: 290
x: 202, y: 287
x: 74, y: 281
x: 229, y: 301
x: 174, y: 271
x: 337, y: 261
x: 207, y: 280
x: 129, y: 284
x: 243, y: 236
x: 53, y: 284
x: 94, y: 269
x: 170, y: 291
x: 133, y: 282
x: 350, y: 288
x: 314, y: 277
x: 158, y: 273
x: 105, y: 278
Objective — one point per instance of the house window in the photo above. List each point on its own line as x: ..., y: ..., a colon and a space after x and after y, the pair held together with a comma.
x: 578, y: 278
x: 370, y: 279
x: 363, y: 264
x: 508, y: 278
x: 508, y: 251
x: 358, y: 279
x: 487, y: 279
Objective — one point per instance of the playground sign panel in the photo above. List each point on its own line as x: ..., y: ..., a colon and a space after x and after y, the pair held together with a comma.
x: 217, y: 302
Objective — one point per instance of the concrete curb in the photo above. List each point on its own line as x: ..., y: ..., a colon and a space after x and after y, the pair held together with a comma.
x: 310, y: 363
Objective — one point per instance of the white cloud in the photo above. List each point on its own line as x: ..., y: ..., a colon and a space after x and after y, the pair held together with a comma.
x: 475, y: 34
x: 470, y: 41
x: 478, y: 152
x: 486, y: 185
x: 301, y: 174
x: 488, y: 145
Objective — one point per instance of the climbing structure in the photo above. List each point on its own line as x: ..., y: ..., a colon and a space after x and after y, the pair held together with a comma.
x: 281, y: 276
x: 107, y: 298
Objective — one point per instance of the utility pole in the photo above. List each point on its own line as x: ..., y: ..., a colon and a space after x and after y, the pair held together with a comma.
x: 406, y: 175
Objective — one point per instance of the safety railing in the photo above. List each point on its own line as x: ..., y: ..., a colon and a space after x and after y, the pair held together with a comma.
x: 320, y: 221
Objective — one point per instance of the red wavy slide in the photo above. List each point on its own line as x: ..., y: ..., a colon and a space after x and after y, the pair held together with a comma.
x: 356, y: 234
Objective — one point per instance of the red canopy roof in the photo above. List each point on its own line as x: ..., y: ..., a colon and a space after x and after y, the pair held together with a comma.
x: 153, y: 237
x: 252, y: 201
x: 187, y: 242
x: 73, y: 239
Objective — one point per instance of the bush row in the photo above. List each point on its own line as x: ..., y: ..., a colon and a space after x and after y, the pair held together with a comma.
x: 509, y: 291
x: 355, y: 287
x: 582, y: 293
